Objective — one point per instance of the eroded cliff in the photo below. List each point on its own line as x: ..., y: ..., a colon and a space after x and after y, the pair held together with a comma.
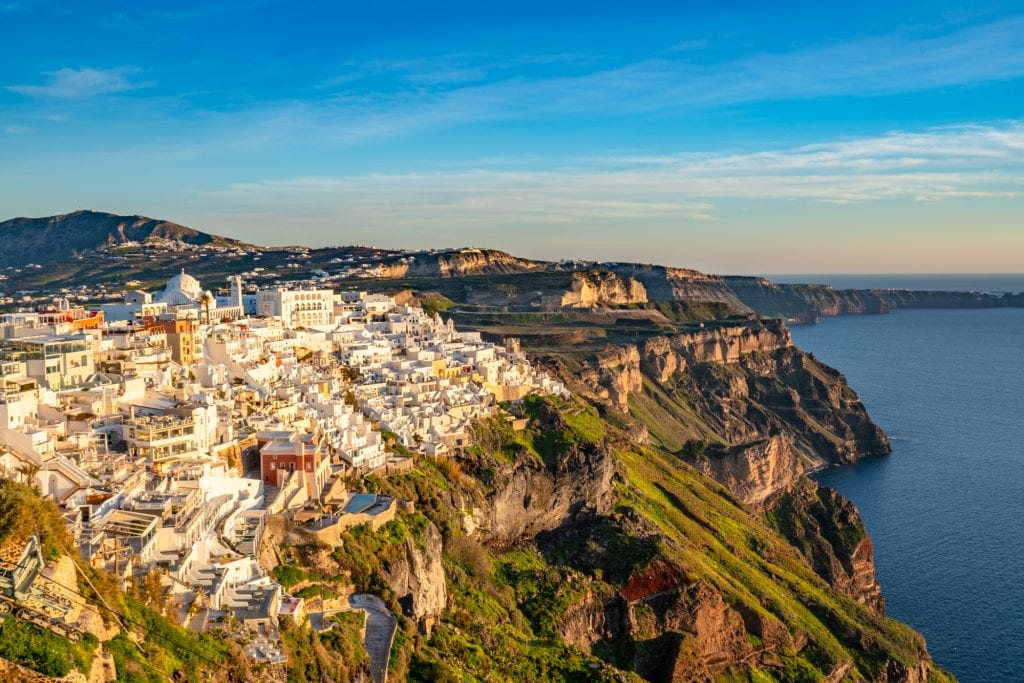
x: 807, y: 302
x: 731, y: 383
x: 599, y: 288
x: 570, y: 549
x: 753, y: 472
x: 416, y: 574
x: 459, y: 262
x: 828, y: 530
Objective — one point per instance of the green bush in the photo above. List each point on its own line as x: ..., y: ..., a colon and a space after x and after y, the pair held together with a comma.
x: 40, y: 650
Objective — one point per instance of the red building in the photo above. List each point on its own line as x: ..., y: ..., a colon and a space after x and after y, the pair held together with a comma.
x: 296, y: 453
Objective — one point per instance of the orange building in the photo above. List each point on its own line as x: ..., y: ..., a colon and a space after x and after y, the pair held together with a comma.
x: 183, y: 340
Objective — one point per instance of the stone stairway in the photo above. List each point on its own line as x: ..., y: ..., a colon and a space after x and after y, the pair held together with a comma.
x: 270, y: 494
x: 380, y: 633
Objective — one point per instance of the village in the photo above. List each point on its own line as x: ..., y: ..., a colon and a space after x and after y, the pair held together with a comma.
x: 170, y: 428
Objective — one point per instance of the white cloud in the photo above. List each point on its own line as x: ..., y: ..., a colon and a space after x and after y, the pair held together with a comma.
x: 67, y: 83
x: 957, y: 162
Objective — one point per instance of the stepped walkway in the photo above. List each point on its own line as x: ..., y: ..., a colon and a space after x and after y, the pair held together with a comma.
x: 380, y: 633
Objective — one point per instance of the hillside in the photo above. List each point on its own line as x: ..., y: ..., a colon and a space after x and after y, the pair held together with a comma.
x: 571, y: 550
x: 90, y: 256
x: 54, y: 238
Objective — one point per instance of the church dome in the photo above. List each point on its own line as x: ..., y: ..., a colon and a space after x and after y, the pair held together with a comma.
x: 182, y: 289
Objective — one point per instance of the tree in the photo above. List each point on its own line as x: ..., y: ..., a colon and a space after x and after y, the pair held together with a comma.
x: 28, y: 473
x: 152, y: 592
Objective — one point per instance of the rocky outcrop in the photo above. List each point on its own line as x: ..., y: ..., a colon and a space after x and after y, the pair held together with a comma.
x: 712, y: 342
x: 805, y: 303
x: 679, y: 284
x: 753, y: 472
x: 614, y: 374
x: 701, y: 636
x: 600, y: 615
x: 529, y: 495
x: 460, y: 262
x: 828, y: 530
x: 417, y: 575
x: 600, y: 288
x: 695, y: 634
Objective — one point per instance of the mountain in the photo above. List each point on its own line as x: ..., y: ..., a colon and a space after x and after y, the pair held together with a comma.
x: 101, y: 251
x: 55, y: 238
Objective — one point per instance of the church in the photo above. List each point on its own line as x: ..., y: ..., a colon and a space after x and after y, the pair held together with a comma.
x: 182, y: 297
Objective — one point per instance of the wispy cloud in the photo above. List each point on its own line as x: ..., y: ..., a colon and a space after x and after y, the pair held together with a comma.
x: 68, y: 83
x: 380, y: 99
x: 933, y: 165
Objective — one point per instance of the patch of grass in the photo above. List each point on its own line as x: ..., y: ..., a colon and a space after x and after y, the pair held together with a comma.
x: 288, y: 575
x: 40, y: 650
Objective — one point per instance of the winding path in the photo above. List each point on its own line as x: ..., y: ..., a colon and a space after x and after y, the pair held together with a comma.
x: 380, y: 633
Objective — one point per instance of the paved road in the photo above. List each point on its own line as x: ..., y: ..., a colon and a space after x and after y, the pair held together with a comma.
x: 380, y: 633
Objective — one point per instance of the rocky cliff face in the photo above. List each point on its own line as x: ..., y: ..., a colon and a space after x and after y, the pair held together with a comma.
x: 828, y: 530
x: 807, y: 302
x: 722, y: 342
x: 461, y: 262
x: 599, y: 288
x: 754, y: 472
x: 529, y: 496
x: 599, y: 615
x: 803, y: 303
x: 417, y: 575
x: 734, y: 383
x: 614, y: 374
x: 699, y: 633
x: 679, y: 284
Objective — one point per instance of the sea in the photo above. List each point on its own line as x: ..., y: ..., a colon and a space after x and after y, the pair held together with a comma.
x: 946, y: 509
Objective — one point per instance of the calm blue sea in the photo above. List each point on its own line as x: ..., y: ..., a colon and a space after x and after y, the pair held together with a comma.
x: 946, y: 509
x: 1013, y: 282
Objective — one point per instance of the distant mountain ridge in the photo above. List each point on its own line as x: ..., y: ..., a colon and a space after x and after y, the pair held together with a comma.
x: 55, y: 238
x: 496, y: 277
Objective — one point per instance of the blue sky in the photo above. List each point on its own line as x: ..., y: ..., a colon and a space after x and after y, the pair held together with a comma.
x: 752, y: 137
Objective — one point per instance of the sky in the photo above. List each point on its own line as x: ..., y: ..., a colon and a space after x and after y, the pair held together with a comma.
x: 793, y: 137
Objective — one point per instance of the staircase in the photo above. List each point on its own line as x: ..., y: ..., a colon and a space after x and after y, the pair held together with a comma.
x: 270, y: 494
x: 380, y: 633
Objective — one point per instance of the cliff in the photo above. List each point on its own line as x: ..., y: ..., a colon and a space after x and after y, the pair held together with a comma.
x: 596, y: 288
x: 416, y: 575
x: 804, y: 303
x: 459, y: 263
x: 828, y: 530
x: 730, y: 383
x: 569, y: 548
x: 664, y: 283
x: 753, y: 472
x: 807, y: 302
x: 568, y: 482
